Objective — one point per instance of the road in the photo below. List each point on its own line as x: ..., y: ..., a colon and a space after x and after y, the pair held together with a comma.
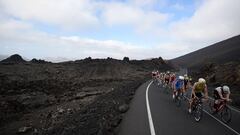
x: 152, y: 112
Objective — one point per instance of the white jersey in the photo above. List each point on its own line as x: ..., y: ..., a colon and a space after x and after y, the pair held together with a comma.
x: 219, y: 89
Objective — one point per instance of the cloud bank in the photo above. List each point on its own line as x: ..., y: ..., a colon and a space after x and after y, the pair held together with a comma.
x: 156, y: 31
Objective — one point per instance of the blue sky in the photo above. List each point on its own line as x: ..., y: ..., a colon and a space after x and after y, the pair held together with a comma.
x: 57, y: 30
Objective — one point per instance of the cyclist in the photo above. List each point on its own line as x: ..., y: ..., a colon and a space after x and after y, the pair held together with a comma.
x: 185, y: 82
x: 172, y: 80
x: 221, y: 94
x: 172, y: 77
x: 161, y: 77
x: 167, y: 78
x: 178, y: 86
x: 154, y: 74
x: 199, y: 88
x: 158, y: 77
x: 189, y: 87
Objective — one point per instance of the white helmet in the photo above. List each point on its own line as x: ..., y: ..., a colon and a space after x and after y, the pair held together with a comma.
x: 201, y: 80
x: 226, y: 89
x: 181, y: 77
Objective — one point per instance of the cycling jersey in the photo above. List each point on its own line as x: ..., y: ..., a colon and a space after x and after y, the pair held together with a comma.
x: 199, y: 87
x: 217, y: 91
x: 167, y: 76
x: 172, y: 78
x: 178, y: 84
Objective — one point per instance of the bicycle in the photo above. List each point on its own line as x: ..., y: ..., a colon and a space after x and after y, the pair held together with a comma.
x: 222, y: 109
x: 178, y: 98
x: 197, y: 109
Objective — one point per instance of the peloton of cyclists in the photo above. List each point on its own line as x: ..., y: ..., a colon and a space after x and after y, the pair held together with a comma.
x: 182, y: 84
x: 199, y: 90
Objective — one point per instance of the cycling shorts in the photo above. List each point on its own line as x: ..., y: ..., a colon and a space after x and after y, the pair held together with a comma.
x: 198, y: 94
x: 178, y: 89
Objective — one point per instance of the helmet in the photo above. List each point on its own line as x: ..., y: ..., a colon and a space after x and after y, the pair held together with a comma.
x: 181, y: 77
x: 168, y: 72
x: 226, y: 89
x: 201, y: 80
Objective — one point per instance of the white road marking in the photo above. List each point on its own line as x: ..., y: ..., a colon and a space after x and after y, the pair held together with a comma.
x: 152, y: 130
x: 220, y: 121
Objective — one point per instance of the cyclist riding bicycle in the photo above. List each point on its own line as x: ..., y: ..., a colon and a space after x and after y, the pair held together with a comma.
x: 167, y: 77
x: 178, y: 86
x: 154, y: 74
x: 158, y: 77
x: 186, y: 83
x: 172, y: 80
x: 199, y: 88
x: 221, y: 94
x: 172, y: 77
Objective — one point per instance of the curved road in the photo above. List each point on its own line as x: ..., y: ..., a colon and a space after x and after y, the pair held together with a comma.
x: 152, y: 112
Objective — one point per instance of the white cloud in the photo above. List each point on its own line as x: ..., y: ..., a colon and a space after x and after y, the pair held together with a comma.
x: 213, y: 21
x: 141, y: 20
x: 143, y: 3
x: 43, y: 45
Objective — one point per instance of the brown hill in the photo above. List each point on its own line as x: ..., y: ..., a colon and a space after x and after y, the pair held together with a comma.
x: 221, y: 52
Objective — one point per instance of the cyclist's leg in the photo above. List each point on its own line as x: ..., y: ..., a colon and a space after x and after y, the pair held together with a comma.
x: 174, y: 93
x: 191, y: 100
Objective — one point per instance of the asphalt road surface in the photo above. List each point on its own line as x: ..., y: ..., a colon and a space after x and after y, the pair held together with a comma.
x: 153, y: 112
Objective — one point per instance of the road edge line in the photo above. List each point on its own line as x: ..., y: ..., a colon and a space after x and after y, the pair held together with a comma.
x: 152, y: 130
x: 220, y: 121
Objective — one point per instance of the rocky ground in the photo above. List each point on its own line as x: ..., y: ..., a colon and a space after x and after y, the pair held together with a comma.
x: 79, y: 97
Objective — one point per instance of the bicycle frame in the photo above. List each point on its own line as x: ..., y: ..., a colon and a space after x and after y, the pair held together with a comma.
x: 222, y: 105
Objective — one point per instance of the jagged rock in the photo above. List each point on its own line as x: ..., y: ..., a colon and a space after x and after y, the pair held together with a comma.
x: 61, y: 111
x: 69, y: 111
x: 34, y: 60
x: 80, y: 95
x: 126, y: 59
x: 123, y: 108
x: 24, y: 129
x: 116, y: 121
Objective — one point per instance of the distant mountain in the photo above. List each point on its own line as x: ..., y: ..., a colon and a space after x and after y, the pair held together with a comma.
x: 14, y: 59
x: 2, y: 57
x: 219, y: 53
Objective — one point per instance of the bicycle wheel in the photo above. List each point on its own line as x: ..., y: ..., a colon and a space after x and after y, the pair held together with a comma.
x: 226, y: 115
x: 178, y: 100
x: 198, y: 113
x: 211, y: 108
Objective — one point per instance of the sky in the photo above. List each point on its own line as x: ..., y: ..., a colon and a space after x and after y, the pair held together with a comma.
x: 58, y: 30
